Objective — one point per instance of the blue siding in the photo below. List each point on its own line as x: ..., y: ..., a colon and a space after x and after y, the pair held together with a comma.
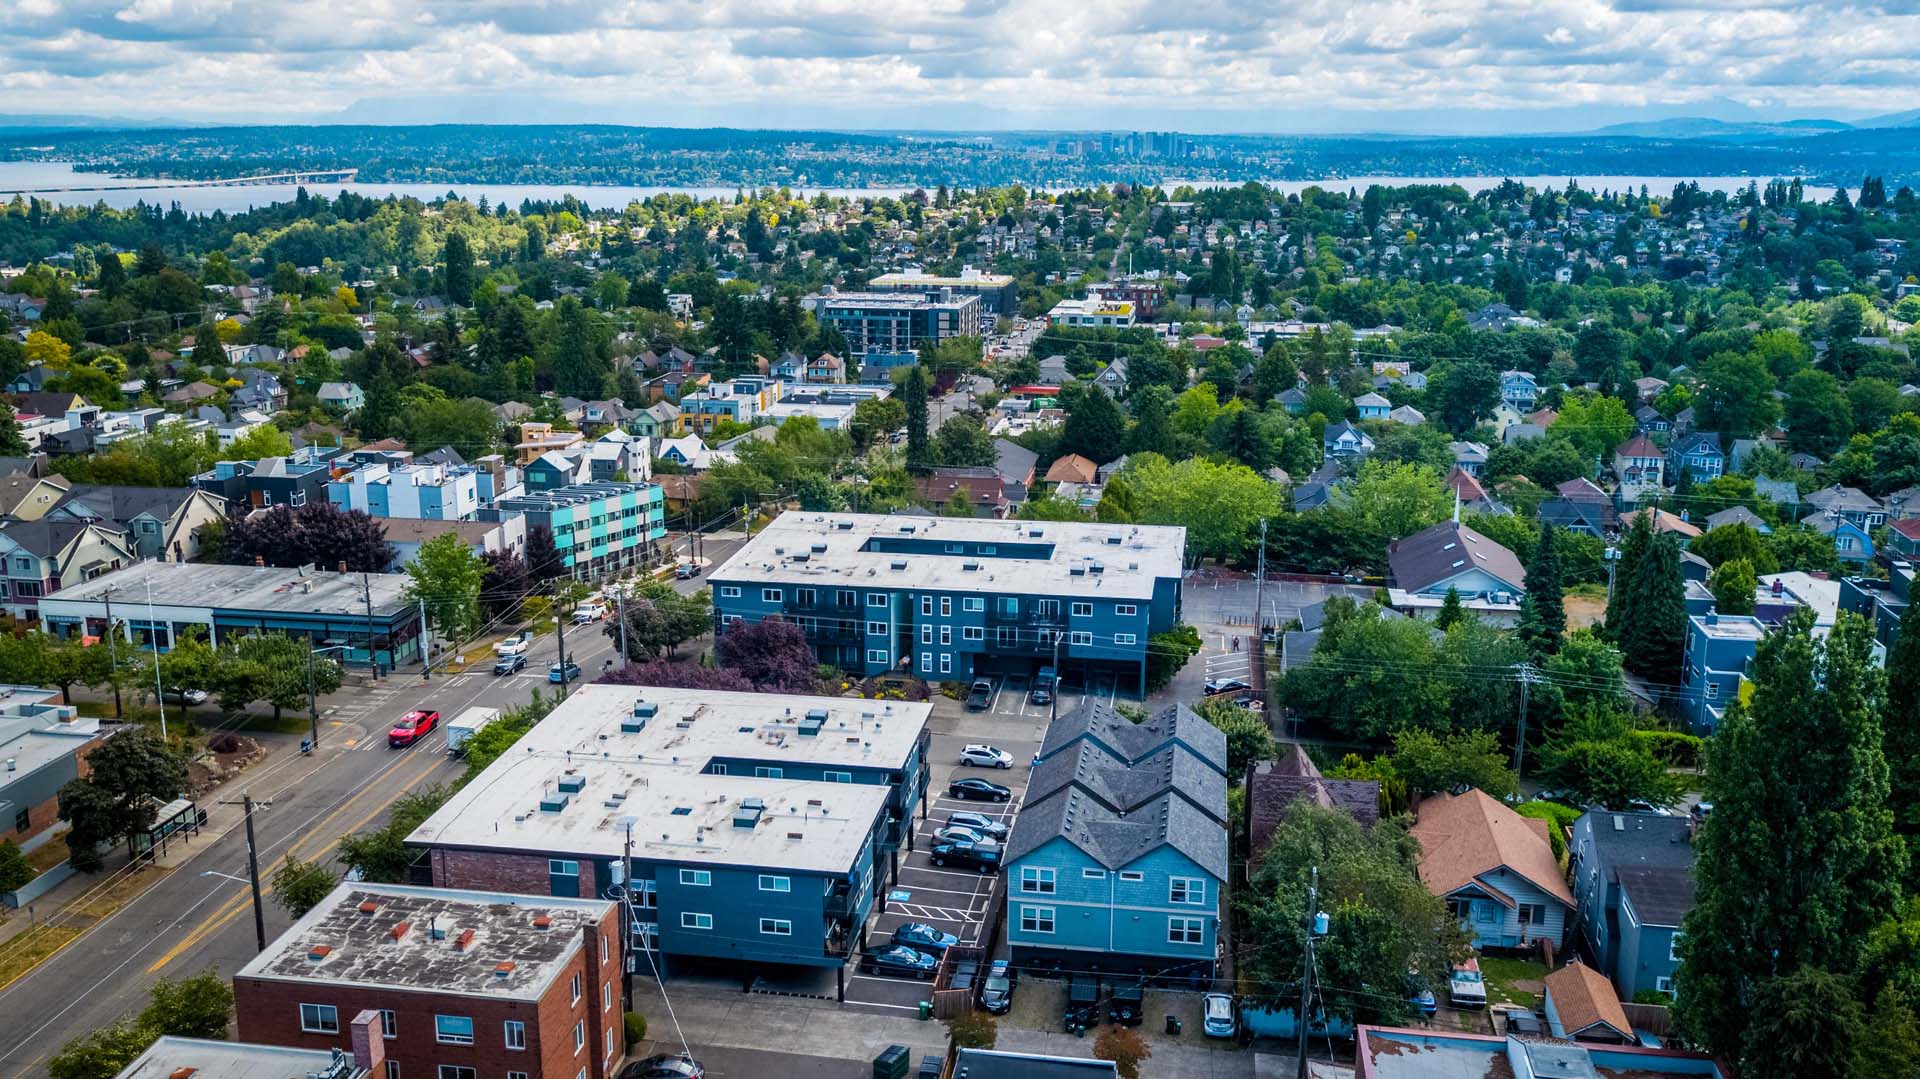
x: 1104, y: 913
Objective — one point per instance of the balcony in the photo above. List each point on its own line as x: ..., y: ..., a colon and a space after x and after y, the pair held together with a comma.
x: 840, y: 901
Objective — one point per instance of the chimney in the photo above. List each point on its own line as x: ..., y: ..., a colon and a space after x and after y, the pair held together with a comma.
x: 343, y: 567
x: 369, y: 1044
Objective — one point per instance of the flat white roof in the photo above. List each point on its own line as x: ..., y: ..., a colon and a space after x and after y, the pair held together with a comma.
x: 651, y: 779
x: 833, y: 550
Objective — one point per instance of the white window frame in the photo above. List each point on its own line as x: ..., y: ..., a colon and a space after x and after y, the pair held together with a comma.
x: 876, y: 655
x: 926, y: 633
x: 776, y: 927
x: 837, y: 777
x: 761, y: 771
x: 876, y: 629
x: 729, y: 591
x: 514, y: 1033
x: 772, y: 595
x: 393, y: 1071
x: 876, y: 599
x: 946, y: 606
x: 1673, y: 947
x: 573, y: 988
x: 444, y: 1038
x: 1125, y: 610
x: 973, y: 633
x: 457, y: 1071
x: 926, y: 663
x: 320, y: 1021
x: 389, y: 1023
x: 1664, y: 984
x: 946, y: 635
x: 1032, y: 918
x: 1187, y: 891
x: 946, y: 663
x: 1124, y: 638
x: 1093, y: 874
x: 1080, y: 610
x: 973, y: 603
x: 1080, y: 637
x: 1037, y: 880
x: 1185, y: 930
x: 579, y: 1035
x: 697, y: 878
x: 690, y: 919
x: 606, y: 995
x: 1131, y: 876
x: 771, y: 882
x: 926, y: 606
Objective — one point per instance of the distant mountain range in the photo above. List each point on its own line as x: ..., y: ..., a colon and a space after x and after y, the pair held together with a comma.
x: 1702, y: 127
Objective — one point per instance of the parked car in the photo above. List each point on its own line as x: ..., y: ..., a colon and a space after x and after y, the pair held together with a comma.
x: 1083, y: 1003
x: 1223, y: 685
x: 1042, y: 691
x: 955, y: 833
x: 515, y: 645
x: 1216, y: 1015
x: 665, y: 1066
x: 978, y: 822
x: 971, y: 787
x: 510, y: 664
x: 1466, y: 988
x: 686, y: 571
x: 980, y: 695
x: 973, y: 856
x: 925, y: 938
x: 981, y: 755
x: 563, y: 672
x: 1127, y: 1005
x: 996, y: 993
x: 186, y: 697
x: 1525, y: 1023
x: 588, y: 613
x: 899, y: 960
x: 412, y: 727
x: 1420, y: 996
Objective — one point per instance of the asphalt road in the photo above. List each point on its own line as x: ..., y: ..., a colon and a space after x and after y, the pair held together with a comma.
x: 188, y: 922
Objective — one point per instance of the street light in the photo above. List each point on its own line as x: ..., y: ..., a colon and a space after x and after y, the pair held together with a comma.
x: 313, y: 699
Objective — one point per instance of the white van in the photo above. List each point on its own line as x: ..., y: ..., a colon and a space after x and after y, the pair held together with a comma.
x: 465, y: 726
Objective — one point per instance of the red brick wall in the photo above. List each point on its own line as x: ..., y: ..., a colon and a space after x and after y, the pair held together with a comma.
x: 46, y: 814
x: 268, y: 1011
x: 494, y: 871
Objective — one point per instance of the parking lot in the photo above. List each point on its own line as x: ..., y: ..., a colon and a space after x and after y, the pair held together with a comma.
x: 952, y: 899
x: 1012, y: 694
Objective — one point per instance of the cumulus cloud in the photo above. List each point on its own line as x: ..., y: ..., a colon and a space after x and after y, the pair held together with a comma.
x: 302, y: 59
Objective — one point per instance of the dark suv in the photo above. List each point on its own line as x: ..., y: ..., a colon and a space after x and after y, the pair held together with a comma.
x: 984, y: 859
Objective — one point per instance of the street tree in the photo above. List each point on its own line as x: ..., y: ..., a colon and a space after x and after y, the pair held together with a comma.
x: 771, y: 653
x: 914, y: 390
x: 129, y: 776
x: 300, y: 886
x: 447, y: 577
x: 1594, y: 759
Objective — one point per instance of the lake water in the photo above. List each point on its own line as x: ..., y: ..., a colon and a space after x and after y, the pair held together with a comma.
x: 59, y: 183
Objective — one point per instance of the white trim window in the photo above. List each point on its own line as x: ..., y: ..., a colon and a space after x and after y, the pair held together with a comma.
x: 1036, y: 919
x: 1673, y: 947
x: 1125, y: 610
x: 453, y: 1029
x: 1187, y: 890
x: 694, y: 920
x: 776, y: 927
x: 389, y: 1023
x: 1664, y: 985
x: 1186, y: 931
x: 876, y: 655
x: 579, y: 1035
x: 1081, y: 610
x: 771, y: 883
x: 771, y: 595
x: 456, y: 1071
x: 696, y: 878
x: 1124, y: 638
x: 516, y: 1034
x: 1036, y: 880
x: 729, y: 591
x: 973, y: 603
x: 1131, y: 876
x: 837, y: 777
x: 973, y: 633
x: 319, y: 1019
x: 876, y: 599
x: 573, y: 988
x: 1080, y: 637
x: 876, y: 629
x: 1093, y: 874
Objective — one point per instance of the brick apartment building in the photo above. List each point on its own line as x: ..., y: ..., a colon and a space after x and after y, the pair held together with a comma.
x: 463, y: 984
x: 45, y: 745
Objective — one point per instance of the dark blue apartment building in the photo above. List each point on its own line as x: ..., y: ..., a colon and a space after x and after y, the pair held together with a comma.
x: 741, y: 828
x: 948, y: 598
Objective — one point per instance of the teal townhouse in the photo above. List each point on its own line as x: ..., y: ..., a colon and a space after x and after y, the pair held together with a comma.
x: 948, y: 599
x: 153, y: 604
x: 598, y: 528
x: 745, y: 828
x: 1118, y: 862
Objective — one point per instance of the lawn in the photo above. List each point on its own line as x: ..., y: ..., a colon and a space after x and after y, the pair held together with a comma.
x: 1513, y: 981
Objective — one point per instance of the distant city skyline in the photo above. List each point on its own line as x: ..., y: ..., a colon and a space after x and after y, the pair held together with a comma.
x: 1390, y: 66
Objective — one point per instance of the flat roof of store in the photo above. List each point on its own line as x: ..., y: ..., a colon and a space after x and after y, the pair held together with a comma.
x: 829, y: 550
x: 343, y: 942
x: 651, y: 780
x: 206, y: 1059
x: 249, y: 588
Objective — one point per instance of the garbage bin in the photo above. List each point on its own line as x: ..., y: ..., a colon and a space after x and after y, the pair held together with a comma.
x: 893, y: 1063
x: 1173, y: 1024
x: 926, y: 1009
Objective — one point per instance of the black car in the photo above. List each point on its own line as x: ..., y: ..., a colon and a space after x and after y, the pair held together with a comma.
x: 980, y: 695
x: 899, y: 960
x: 996, y: 993
x: 1223, y: 685
x: 1126, y: 1007
x: 982, y: 789
x: 1083, y: 1003
x: 509, y: 664
x: 984, y: 859
x: 665, y: 1066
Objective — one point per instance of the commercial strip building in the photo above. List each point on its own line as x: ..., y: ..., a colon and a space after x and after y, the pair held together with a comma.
x: 45, y: 745
x: 1118, y: 862
x: 598, y: 528
x: 171, y: 1057
x: 894, y: 323
x: 163, y: 600
x: 750, y: 828
x: 1402, y: 1053
x: 435, y: 982
x: 999, y: 294
x: 946, y: 598
x: 1092, y: 311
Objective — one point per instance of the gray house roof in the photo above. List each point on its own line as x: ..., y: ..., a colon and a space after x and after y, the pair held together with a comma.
x: 1014, y: 462
x: 1446, y: 550
x: 1648, y: 855
x: 1783, y: 492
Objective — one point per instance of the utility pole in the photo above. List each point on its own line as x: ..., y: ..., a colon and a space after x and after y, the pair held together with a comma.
x: 159, y: 691
x: 113, y: 653
x: 373, y: 654
x: 560, y: 627
x: 426, y: 644
x: 620, y: 607
x: 253, y: 869
x: 1306, y: 973
x: 1260, y: 584
x: 626, y: 930
x: 1527, y: 676
x: 1613, y: 560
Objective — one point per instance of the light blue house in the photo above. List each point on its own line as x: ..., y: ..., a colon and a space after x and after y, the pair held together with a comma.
x: 1633, y: 878
x: 1519, y: 390
x: 1494, y: 868
x: 1719, y: 647
x: 1851, y: 543
x: 1118, y: 862
x: 1372, y: 406
x: 949, y: 598
x: 1700, y: 456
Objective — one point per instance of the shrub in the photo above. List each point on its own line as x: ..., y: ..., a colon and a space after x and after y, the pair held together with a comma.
x: 15, y: 870
x: 636, y: 1025
x: 1674, y: 748
x: 224, y: 742
x: 1559, y: 818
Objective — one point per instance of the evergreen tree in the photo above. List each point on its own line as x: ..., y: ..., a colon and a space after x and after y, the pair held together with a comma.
x: 913, y: 390
x: 1152, y: 433
x: 577, y: 349
x: 1652, y: 638
x: 1733, y: 586
x: 1799, y: 859
x: 1095, y: 428
x: 1633, y: 551
x: 1902, y: 722
x: 1543, y: 610
x: 459, y: 269
x: 1451, y: 612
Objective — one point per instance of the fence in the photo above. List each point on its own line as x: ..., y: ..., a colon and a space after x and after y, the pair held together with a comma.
x: 1655, y: 1019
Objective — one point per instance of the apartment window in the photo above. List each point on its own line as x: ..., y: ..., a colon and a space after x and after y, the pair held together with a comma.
x: 1036, y: 880
x: 389, y: 1024
x: 1186, y: 931
x: 1005, y: 636
x: 1673, y: 947
x: 698, y: 878
x: 1082, y: 610
x: 946, y: 634
x: 1126, y: 610
x: 716, y: 769
x: 877, y: 629
x: 1036, y: 919
x: 457, y: 1071
x: 23, y: 820
x: 319, y: 1019
x: 579, y: 1035
x: 609, y: 1041
x: 1047, y: 609
x: 926, y: 634
x: 729, y: 591
x: 393, y: 1071
x: 988, y: 548
x: 573, y: 988
x: 776, y: 927
x: 837, y: 777
x: 946, y: 606
x: 956, y: 548
x: 771, y: 595
x: 1132, y: 877
x: 1093, y: 874
x: 973, y: 603
x: 1486, y: 912
x: 690, y: 920
x: 1079, y: 636
x: 1664, y: 985
x: 973, y: 633
x: 606, y: 995
x: 876, y: 599
x: 1124, y: 638
x: 926, y: 606
x: 516, y: 1034
x: 1713, y: 690
x: 771, y: 883
x: 453, y: 1029
x: 926, y: 663
x: 876, y: 655
x: 1187, y: 890
x: 764, y: 772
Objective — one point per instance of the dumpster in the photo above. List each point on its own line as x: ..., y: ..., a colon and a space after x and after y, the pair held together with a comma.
x: 1173, y: 1024
x: 892, y: 1063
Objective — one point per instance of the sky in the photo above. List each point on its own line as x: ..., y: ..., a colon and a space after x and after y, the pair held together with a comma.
x: 1196, y: 65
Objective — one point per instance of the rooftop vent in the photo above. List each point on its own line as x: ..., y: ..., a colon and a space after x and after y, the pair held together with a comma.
x: 969, y: 566
x: 464, y: 941
x: 399, y: 930
x: 1035, y: 533
x: 899, y: 564
x: 1113, y: 541
x: 553, y: 802
x: 748, y: 813
x: 541, y: 921
x: 504, y: 968
x: 368, y: 906
x: 438, y: 927
x: 682, y: 811
x: 319, y: 952
x: 844, y: 526
x: 1097, y: 568
x: 185, y: 1071
x: 819, y: 548
x: 1077, y: 571
x: 794, y: 835
x: 573, y: 784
